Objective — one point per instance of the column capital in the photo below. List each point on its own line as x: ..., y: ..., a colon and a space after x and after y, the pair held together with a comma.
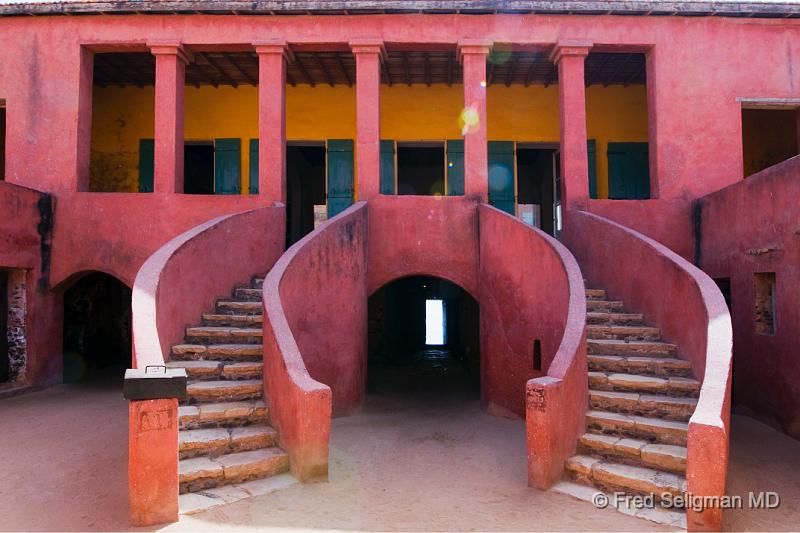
x: 175, y: 48
x: 274, y: 46
x: 570, y: 47
x: 473, y: 46
x: 368, y: 46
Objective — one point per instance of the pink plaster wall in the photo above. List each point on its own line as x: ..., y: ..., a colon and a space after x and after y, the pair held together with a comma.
x: 754, y: 226
x: 23, y: 226
x: 315, y: 337
x: 685, y: 303
x: 186, y: 276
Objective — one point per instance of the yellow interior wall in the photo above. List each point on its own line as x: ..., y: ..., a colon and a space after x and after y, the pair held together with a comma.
x: 122, y: 116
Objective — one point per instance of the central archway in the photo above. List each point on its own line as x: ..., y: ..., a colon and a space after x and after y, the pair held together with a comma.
x: 423, y: 342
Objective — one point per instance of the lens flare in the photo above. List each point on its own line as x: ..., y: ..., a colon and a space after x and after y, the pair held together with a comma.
x: 499, y: 178
x: 469, y: 120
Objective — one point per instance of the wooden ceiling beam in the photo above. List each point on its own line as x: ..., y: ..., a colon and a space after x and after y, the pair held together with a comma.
x: 618, y: 70
x: 323, y: 68
x: 634, y: 75
x: 239, y: 68
x: 449, y: 70
x: 344, y: 70
x: 427, y: 68
x: 405, y: 67
x: 594, y: 75
x: 219, y: 70
x: 512, y: 62
x: 303, y: 71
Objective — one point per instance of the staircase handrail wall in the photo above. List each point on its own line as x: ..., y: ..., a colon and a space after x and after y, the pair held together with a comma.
x: 555, y: 404
x: 172, y: 288
x: 300, y: 406
x: 691, y: 312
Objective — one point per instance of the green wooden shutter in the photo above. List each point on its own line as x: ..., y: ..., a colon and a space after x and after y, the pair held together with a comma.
x: 146, y: 164
x: 253, y: 167
x: 591, y: 152
x: 340, y: 175
x: 455, y: 167
x: 387, y: 167
x: 227, y: 166
x: 628, y: 171
x: 501, y: 176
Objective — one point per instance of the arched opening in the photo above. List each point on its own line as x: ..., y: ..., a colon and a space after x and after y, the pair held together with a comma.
x: 97, y: 328
x: 423, y: 341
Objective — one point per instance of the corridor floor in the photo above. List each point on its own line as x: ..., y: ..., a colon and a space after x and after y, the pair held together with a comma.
x: 403, y: 463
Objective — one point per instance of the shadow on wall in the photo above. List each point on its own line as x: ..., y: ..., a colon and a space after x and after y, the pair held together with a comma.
x: 97, y: 327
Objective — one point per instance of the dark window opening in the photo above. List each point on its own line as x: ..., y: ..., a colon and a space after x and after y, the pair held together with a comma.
x: 769, y: 136
x: 420, y: 169
x: 198, y: 168
x: 724, y: 285
x: 4, y: 356
x: 423, y: 339
x: 628, y: 171
x: 764, y: 304
x: 97, y: 328
x: 2, y: 141
x: 537, y: 354
x: 535, y: 187
x: 305, y: 195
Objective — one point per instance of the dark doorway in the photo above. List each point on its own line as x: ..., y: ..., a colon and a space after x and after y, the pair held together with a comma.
x: 535, y: 187
x: 420, y: 169
x: 409, y: 354
x: 305, y: 178
x: 198, y: 168
x: 97, y: 328
x: 4, y: 362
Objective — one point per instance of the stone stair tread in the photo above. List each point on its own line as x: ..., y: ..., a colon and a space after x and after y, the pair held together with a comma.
x: 203, y: 438
x: 645, y: 397
x: 216, y: 318
x: 594, y: 317
x: 661, y: 456
x: 625, y: 330
x: 213, y: 413
x: 636, y: 363
x: 239, y: 304
x: 240, y: 466
x: 595, y: 293
x: 217, y: 390
x: 222, y: 331
x: 637, y: 479
x: 616, y: 342
x: 662, y: 430
x: 643, y: 383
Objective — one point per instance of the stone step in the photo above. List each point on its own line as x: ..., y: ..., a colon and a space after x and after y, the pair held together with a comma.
x: 204, y: 472
x: 636, y: 452
x: 228, y: 414
x: 223, y: 335
x: 217, y: 352
x: 623, y: 332
x: 258, y: 283
x: 657, y: 366
x: 601, y: 317
x: 217, y: 441
x: 608, y: 475
x: 638, y: 427
x: 669, y: 385
x: 247, y: 293
x: 211, y: 319
x: 596, y: 294
x: 640, y: 348
x: 207, y: 370
x: 239, y: 307
x: 604, y: 305
x: 224, y: 391
x: 651, y: 405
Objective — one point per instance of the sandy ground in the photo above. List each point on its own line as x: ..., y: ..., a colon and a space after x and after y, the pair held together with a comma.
x: 410, y: 462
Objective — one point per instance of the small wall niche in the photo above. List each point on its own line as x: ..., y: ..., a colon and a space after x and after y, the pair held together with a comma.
x: 765, y: 303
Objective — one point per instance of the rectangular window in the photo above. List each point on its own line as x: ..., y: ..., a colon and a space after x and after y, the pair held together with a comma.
x: 769, y: 136
x: 537, y: 354
x: 420, y: 169
x: 765, y: 303
x: 4, y: 362
x: 724, y: 285
x: 628, y: 171
x: 198, y: 168
x: 435, y: 323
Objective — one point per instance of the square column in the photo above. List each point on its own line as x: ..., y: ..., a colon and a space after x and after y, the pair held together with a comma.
x: 368, y: 54
x: 171, y: 60
x: 472, y: 55
x: 569, y: 56
x: 272, y: 59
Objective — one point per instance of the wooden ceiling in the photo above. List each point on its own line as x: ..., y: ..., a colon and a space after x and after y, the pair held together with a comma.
x: 399, y: 68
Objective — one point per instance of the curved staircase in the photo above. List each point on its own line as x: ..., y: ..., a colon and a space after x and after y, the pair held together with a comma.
x: 641, y: 397
x: 224, y: 433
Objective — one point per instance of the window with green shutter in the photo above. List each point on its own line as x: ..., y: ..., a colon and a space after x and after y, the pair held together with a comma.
x: 387, y: 167
x: 340, y: 175
x: 227, y: 166
x: 146, y: 164
x: 628, y: 171
x: 455, y: 167
x: 501, y: 176
x: 253, y: 167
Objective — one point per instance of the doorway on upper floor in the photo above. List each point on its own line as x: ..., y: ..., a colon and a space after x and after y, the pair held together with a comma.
x: 306, y: 205
x: 769, y: 136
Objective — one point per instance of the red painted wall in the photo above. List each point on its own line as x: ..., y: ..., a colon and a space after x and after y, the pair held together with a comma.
x: 753, y: 226
x: 25, y: 235
x: 524, y: 291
